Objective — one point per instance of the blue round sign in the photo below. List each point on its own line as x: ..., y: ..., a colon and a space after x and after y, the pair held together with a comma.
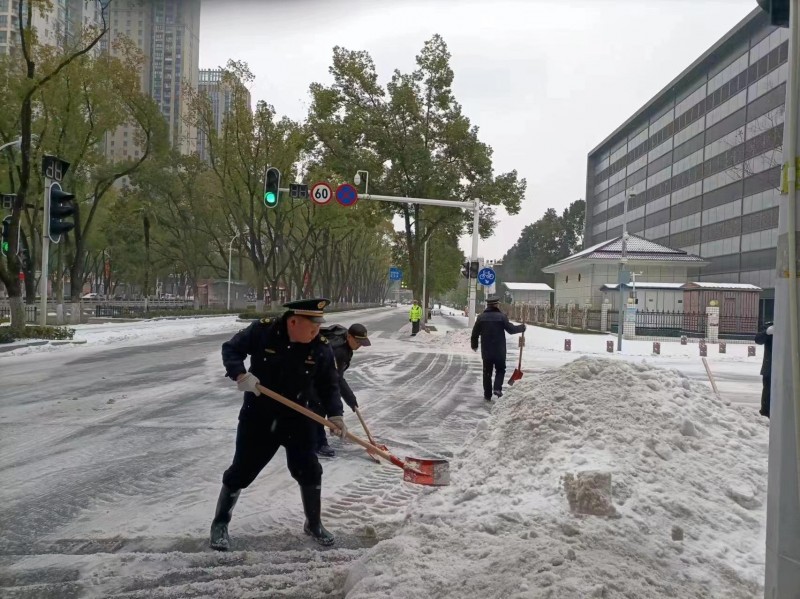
x: 486, y: 277
x: 346, y: 195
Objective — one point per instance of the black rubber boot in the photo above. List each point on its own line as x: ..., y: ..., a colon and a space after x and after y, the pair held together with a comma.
x: 219, y: 526
x: 312, y: 505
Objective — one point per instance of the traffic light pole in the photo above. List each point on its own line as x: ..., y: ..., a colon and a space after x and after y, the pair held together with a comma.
x: 474, y: 206
x: 45, y: 251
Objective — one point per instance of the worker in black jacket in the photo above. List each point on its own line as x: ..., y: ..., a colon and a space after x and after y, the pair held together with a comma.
x: 491, y: 327
x: 764, y: 337
x: 343, y: 342
x: 288, y: 356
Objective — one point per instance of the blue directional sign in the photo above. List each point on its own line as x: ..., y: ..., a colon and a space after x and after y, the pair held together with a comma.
x: 395, y: 274
x: 486, y: 277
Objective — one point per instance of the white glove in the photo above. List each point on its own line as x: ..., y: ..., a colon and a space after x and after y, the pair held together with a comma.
x: 342, y: 430
x: 770, y: 329
x: 248, y: 382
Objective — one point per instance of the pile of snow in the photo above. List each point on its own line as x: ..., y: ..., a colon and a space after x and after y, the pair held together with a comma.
x: 602, y: 478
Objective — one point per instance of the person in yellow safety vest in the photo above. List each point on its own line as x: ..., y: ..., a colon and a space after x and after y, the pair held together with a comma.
x: 414, y: 316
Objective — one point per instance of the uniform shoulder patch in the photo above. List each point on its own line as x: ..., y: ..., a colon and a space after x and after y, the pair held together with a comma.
x: 323, y: 339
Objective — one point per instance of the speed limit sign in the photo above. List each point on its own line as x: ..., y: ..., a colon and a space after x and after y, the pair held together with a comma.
x: 321, y: 193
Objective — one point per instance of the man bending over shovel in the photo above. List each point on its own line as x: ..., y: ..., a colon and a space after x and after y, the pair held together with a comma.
x: 491, y: 327
x: 288, y: 356
x: 343, y: 342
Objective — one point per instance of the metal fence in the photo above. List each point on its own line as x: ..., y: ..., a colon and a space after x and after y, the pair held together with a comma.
x: 648, y: 324
x: 31, y: 313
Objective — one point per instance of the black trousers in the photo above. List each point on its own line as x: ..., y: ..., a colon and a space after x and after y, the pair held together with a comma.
x: 257, y: 441
x: 499, y: 369
x: 320, y: 437
x: 767, y: 382
x: 414, y: 327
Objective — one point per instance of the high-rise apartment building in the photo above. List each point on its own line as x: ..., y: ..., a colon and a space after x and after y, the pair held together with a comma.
x: 221, y: 94
x: 168, y: 34
x: 60, y: 26
x: 698, y: 166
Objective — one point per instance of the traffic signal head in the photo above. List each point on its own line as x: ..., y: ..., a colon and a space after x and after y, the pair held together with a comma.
x: 469, y: 270
x: 61, y: 209
x: 272, y: 184
x: 5, y: 236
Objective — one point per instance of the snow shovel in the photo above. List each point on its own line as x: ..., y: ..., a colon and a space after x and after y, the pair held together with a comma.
x: 517, y: 374
x: 419, y: 471
x: 369, y: 436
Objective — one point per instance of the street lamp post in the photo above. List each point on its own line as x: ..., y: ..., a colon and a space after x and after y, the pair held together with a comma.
x: 623, y: 260
x: 425, y: 282
x: 16, y: 142
x: 230, y: 250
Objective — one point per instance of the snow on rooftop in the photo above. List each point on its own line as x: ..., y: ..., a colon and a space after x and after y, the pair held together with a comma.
x: 645, y: 285
x: 528, y: 286
x: 711, y: 285
x: 685, y: 502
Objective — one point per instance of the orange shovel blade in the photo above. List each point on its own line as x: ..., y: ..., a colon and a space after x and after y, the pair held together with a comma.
x: 515, y: 376
x: 427, y: 472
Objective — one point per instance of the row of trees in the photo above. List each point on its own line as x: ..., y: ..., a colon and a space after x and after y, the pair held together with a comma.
x: 162, y: 211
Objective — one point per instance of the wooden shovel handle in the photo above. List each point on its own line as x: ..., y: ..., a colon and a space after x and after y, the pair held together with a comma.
x: 364, y: 424
x: 325, y: 422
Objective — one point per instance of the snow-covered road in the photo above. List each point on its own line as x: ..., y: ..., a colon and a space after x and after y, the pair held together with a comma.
x: 111, y: 456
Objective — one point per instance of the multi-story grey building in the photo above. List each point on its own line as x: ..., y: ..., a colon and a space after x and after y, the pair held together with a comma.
x: 700, y: 162
x: 221, y: 92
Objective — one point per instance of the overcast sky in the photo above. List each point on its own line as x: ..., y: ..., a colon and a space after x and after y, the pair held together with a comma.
x: 546, y: 81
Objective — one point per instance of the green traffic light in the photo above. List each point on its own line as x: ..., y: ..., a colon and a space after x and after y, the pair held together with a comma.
x: 5, y: 247
x: 270, y: 199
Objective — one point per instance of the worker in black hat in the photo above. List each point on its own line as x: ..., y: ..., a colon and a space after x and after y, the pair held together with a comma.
x: 491, y: 327
x: 288, y: 356
x: 343, y: 342
x: 764, y: 337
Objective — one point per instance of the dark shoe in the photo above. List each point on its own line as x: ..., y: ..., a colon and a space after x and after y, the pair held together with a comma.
x: 219, y: 526
x: 312, y: 506
x: 326, y: 451
x: 487, y: 397
x: 498, y: 393
x: 763, y: 412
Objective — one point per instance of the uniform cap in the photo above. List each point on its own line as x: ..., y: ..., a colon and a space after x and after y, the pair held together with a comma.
x: 313, y: 309
x: 359, y: 333
x: 493, y: 300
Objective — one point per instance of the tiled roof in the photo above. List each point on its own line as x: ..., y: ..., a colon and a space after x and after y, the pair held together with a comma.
x: 637, y: 248
x: 645, y: 285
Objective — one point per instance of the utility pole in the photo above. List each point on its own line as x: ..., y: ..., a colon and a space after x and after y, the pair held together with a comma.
x: 783, y: 499
x: 425, y: 282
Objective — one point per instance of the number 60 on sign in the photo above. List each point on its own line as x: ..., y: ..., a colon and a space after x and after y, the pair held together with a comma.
x: 321, y: 193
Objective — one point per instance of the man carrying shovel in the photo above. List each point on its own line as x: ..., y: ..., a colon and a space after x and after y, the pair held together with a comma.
x: 288, y: 356
x: 491, y: 327
x: 343, y: 342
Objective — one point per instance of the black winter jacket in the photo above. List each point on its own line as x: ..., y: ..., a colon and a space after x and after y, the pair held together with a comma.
x: 491, y: 327
x: 337, y: 338
x: 766, y: 340
x: 298, y: 371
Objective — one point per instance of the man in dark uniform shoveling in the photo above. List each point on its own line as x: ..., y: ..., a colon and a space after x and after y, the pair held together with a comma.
x: 288, y: 356
x: 491, y: 327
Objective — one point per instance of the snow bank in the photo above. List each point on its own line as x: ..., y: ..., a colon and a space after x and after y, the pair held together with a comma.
x: 685, y: 497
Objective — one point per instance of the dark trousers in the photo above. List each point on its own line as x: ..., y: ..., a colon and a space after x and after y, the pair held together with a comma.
x: 320, y: 438
x: 257, y: 441
x: 767, y: 382
x: 499, y: 369
x: 414, y: 327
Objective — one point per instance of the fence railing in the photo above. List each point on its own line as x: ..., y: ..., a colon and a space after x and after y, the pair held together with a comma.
x: 31, y: 313
x: 648, y: 324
